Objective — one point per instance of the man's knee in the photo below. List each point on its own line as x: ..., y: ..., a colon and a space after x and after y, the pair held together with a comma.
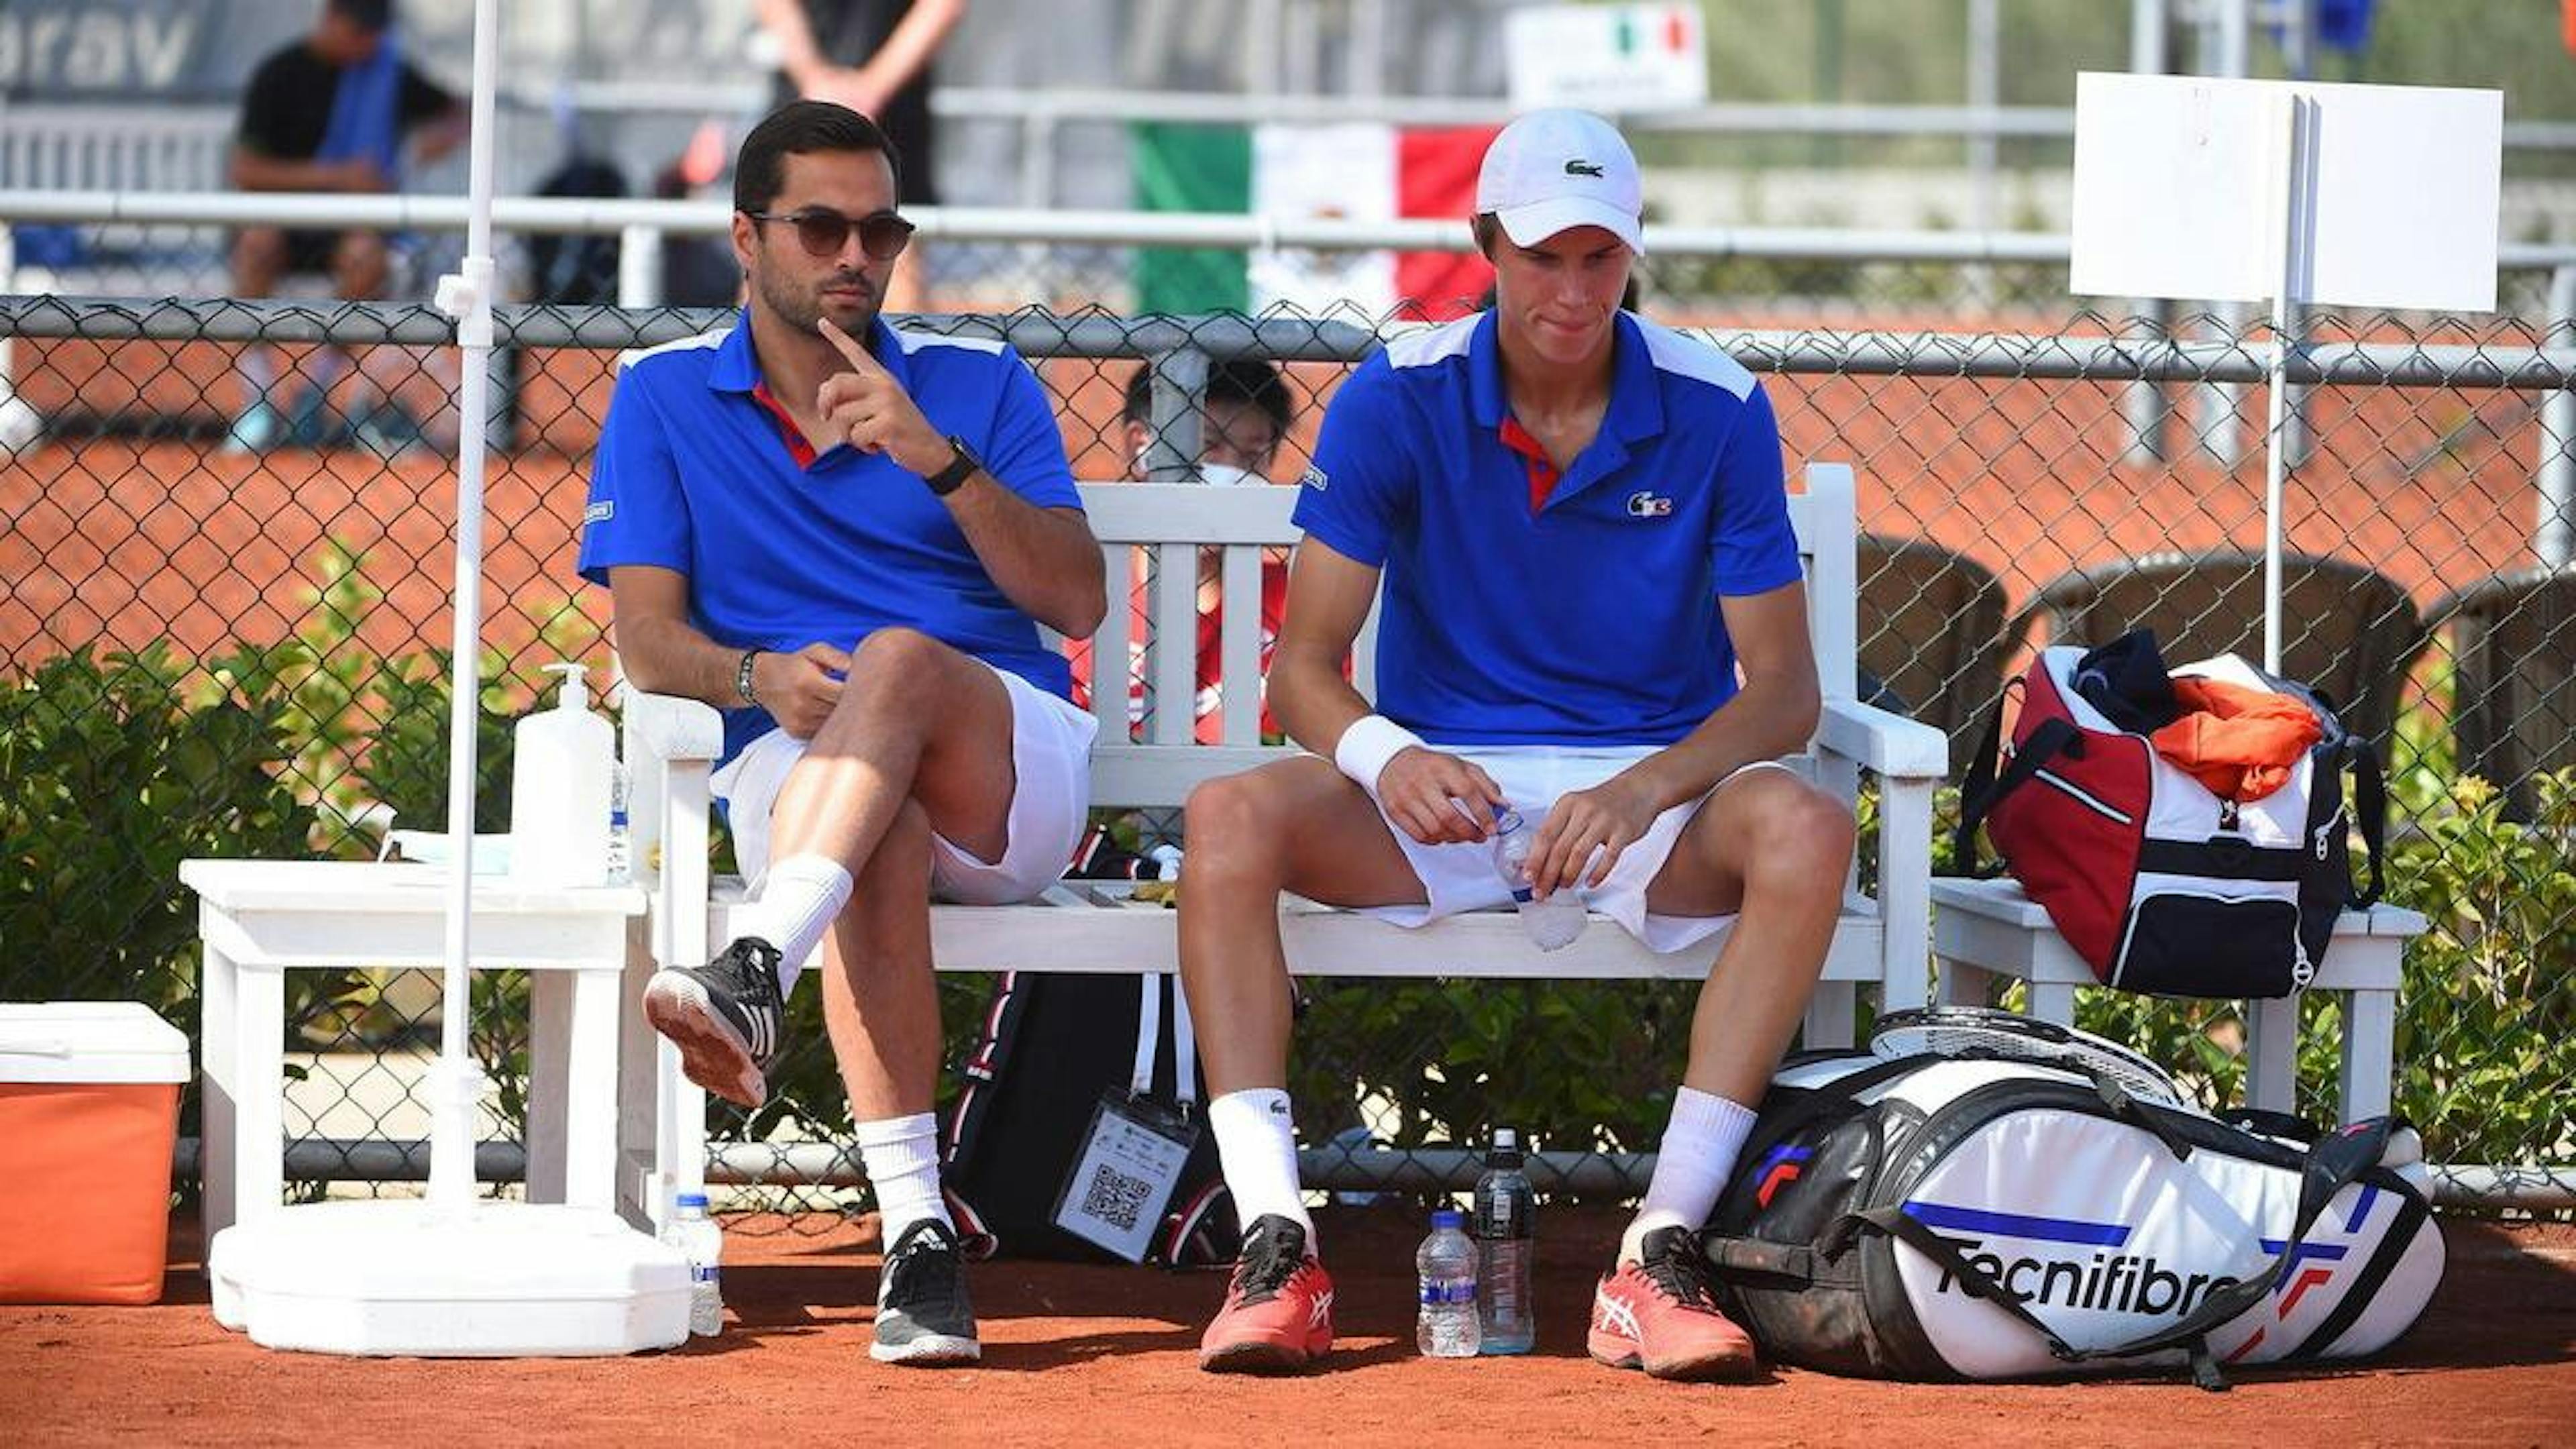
x: 1232, y: 824
x: 1804, y: 834
x: 258, y: 257
x: 360, y: 263
x: 906, y: 672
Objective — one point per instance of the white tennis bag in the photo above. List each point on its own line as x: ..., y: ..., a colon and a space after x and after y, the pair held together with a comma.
x: 1937, y: 1217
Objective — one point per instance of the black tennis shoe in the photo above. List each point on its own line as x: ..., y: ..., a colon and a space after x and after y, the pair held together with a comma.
x: 725, y: 1017
x: 923, y: 1318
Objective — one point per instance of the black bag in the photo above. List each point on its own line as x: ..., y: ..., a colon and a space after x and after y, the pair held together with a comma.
x: 1053, y: 1044
x: 1931, y: 1217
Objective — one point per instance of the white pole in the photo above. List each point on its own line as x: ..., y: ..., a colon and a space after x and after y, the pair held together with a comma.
x: 466, y: 296
x: 2285, y: 312
x: 1985, y: 92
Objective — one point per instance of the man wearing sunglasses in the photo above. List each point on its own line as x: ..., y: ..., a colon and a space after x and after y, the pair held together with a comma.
x: 846, y: 536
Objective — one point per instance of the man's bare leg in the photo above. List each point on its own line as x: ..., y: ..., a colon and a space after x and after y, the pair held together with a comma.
x: 1295, y: 826
x: 258, y: 260
x: 918, y: 725
x: 1773, y: 850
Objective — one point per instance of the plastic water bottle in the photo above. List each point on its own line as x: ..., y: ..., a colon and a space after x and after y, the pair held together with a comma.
x: 1446, y: 1267
x: 702, y: 1243
x: 1506, y: 1226
x: 1552, y: 923
x: 621, y: 840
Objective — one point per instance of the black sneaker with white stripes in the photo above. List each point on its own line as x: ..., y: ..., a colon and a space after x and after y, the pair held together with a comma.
x: 725, y: 1017
x: 923, y: 1318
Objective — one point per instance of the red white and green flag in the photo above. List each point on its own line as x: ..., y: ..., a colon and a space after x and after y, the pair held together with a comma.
x: 1356, y: 171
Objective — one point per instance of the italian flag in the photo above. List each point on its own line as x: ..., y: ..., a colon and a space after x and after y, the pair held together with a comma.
x: 1358, y: 171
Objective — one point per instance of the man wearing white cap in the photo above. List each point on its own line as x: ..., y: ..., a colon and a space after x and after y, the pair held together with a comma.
x: 1579, y: 520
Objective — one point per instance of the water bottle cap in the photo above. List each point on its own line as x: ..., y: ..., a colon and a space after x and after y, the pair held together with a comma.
x: 693, y: 1199
x: 1447, y: 1218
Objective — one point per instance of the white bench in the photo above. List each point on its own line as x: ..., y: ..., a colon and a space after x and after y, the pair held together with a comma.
x: 1986, y: 931
x: 671, y: 745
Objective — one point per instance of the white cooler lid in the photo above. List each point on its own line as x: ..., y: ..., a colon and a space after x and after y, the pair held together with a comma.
x: 89, y: 1041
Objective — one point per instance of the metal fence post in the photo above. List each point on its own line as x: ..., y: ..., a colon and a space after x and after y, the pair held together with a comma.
x: 2144, y: 405
x: 2554, y: 535
x: 1180, y: 379
x: 639, y: 266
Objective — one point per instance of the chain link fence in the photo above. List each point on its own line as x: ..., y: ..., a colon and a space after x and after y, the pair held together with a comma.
x: 214, y: 644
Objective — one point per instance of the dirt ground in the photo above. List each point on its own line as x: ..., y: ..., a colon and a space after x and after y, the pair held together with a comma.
x: 1105, y: 1355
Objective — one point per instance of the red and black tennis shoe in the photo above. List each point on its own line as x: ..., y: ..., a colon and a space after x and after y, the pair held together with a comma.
x: 1660, y: 1314
x: 1278, y: 1312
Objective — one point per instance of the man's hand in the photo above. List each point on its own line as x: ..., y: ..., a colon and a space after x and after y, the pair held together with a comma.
x: 1438, y: 799
x: 357, y: 174
x: 866, y: 406
x: 1589, y: 826
x: 800, y: 689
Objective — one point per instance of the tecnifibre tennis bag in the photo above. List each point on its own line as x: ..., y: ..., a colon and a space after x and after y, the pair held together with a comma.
x: 1944, y: 1218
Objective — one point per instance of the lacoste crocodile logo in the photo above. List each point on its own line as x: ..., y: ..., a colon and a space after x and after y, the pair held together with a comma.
x: 1581, y: 168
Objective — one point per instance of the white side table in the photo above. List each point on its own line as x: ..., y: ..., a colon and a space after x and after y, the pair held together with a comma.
x: 260, y: 919
x: 1985, y: 929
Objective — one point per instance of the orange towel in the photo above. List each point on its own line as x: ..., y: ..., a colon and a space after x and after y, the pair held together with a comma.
x: 2242, y: 743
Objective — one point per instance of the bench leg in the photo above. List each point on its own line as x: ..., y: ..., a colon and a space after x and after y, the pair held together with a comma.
x: 220, y: 1090
x: 2369, y: 1051
x: 550, y: 1078
x: 1830, y: 1012
x: 2272, y: 1054
x: 590, y: 1106
x: 258, y: 1138
x: 2053, y: 1002
x: 1964, y: 985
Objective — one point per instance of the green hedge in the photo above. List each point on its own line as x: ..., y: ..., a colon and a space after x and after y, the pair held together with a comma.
x: 120, y: 766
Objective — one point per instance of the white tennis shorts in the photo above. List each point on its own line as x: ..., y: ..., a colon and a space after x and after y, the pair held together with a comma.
x: 1050, y: 800
x: 1460, y: 876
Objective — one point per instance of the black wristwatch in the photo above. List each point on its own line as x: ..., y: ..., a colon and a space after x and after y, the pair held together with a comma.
x: 959, y: 469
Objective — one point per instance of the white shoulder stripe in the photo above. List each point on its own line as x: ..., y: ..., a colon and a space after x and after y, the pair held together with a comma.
x: 1431, y: 344
x: 634, y: 355
x: 1693, y: 358
x: 912, y: 342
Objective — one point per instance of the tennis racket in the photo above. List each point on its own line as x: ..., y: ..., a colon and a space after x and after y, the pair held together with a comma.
x: 1986, y: 1034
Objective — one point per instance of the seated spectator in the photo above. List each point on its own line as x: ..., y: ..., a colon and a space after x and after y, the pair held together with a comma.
x: 331, y: 112
x: 1244, y: 415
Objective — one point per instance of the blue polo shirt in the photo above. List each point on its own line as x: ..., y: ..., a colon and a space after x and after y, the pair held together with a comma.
x: 699, y: 471
x: 1591, y: 617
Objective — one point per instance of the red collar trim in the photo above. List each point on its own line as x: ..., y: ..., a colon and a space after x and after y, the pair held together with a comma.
x: 794, y: 436
x: 1541, y: 469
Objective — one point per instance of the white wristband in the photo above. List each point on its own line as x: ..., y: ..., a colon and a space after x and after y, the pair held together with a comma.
x: 1364, y: 749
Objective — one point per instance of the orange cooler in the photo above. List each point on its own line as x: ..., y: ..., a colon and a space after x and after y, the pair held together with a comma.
x: 89, y: 1112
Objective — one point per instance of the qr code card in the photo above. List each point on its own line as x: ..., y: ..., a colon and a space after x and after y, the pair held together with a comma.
x: 1122, y: 1183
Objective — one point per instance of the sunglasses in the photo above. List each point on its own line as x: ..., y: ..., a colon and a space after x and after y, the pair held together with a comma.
x: 882, y: 235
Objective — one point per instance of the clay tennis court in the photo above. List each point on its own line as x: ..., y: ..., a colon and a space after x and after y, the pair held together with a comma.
x: 1079, y: 1354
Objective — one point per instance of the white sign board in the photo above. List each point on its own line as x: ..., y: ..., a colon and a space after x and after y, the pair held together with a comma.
x: 1609, y: 58
x: 2181, y: 184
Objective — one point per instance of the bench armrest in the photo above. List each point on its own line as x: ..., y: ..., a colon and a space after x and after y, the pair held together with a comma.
x: 668, y: 727
x: 1882, y: 741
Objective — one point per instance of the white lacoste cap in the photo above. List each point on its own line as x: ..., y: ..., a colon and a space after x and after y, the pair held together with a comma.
x: 1557, y: 168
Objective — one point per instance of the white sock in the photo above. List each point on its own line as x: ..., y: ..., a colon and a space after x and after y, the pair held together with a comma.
x: 1256, y: 1144
x: 1699, y: 1150
x: 901, y: 1155
x: 798, y: 902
